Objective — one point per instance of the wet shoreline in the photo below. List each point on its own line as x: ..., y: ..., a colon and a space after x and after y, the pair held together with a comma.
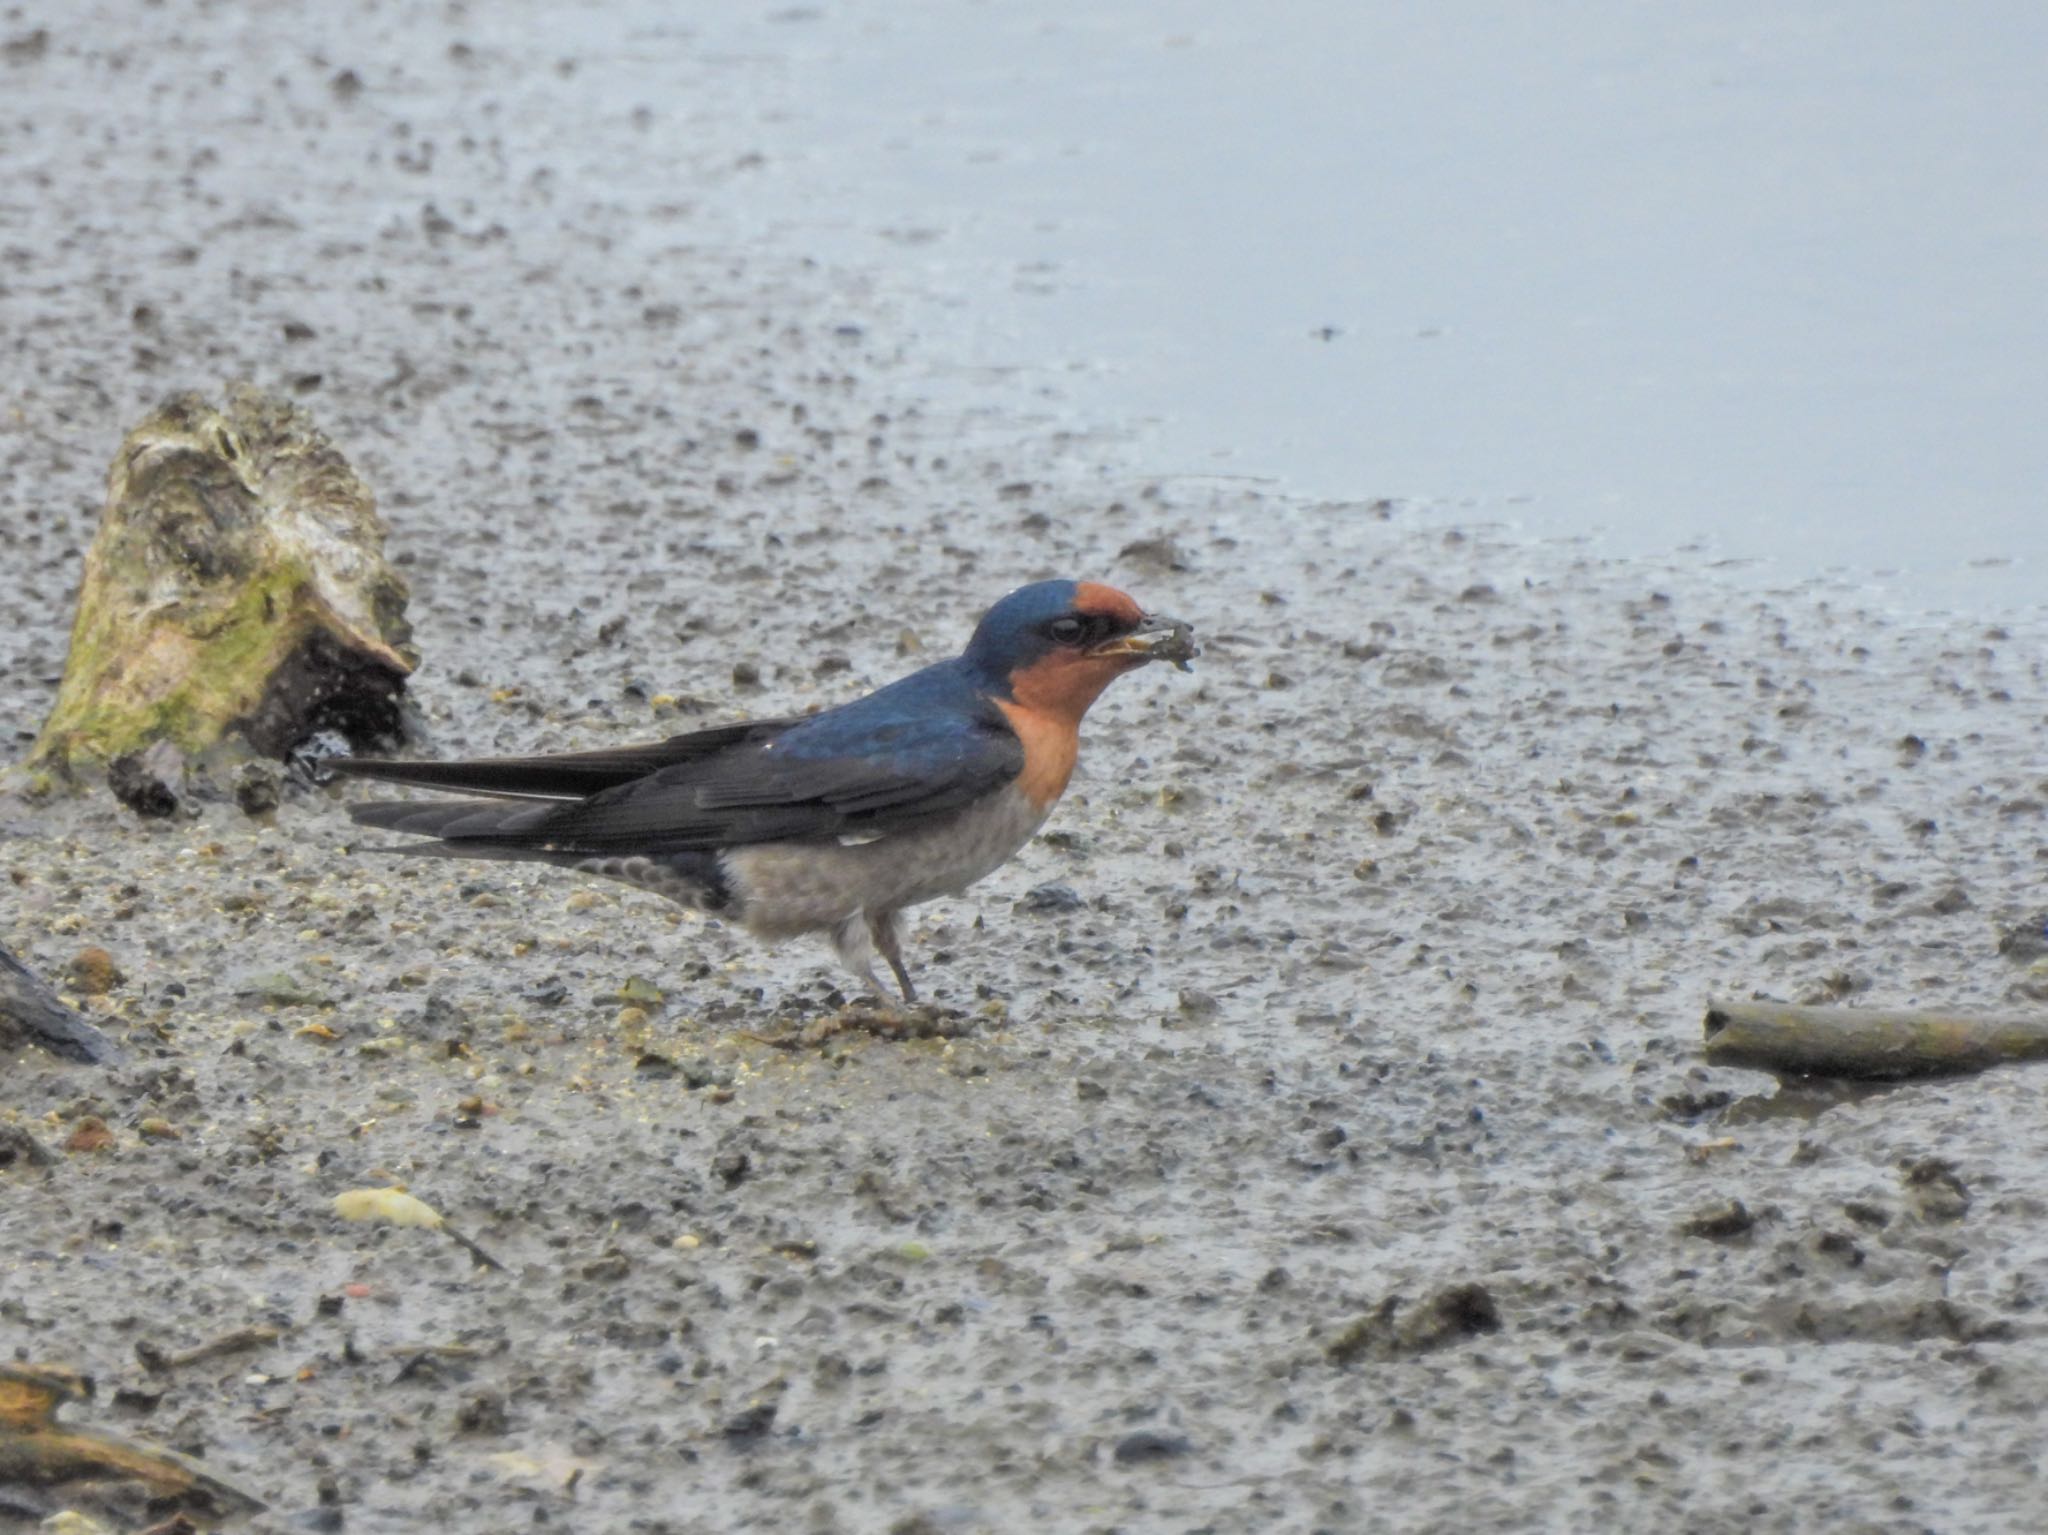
x: 1342, y: 1160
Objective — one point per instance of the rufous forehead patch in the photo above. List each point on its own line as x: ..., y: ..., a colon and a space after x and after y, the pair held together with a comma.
x: 1094, y: 597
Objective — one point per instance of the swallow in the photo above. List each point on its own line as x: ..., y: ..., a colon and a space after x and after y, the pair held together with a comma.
x: 835, y: 822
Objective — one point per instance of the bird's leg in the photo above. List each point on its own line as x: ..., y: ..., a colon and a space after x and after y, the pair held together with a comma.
x: 857, y: 939
x: 853, y: 938
x: 885, y: 929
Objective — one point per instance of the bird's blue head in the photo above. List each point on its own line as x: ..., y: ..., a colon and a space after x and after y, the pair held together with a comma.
x: 1055, y: 645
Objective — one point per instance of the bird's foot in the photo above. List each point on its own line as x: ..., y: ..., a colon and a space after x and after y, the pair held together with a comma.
x: 889, y: 1020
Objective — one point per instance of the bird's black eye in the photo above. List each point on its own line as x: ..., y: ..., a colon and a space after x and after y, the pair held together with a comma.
x: 1066, y: 631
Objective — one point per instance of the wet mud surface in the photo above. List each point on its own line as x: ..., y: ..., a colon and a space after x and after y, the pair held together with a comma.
x: 1328, y: 1147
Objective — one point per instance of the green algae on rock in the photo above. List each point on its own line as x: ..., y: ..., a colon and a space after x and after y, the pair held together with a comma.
x: 236, y: 591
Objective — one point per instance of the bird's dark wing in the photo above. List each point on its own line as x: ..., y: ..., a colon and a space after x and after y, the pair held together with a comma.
x: 918, y: 748
x: 565, y: 775
x: 794, y: 788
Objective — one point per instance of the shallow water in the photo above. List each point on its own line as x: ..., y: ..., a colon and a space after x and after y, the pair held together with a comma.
x: 1760, y: 278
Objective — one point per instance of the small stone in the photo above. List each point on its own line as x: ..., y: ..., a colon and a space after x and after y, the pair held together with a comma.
x: 1720, y: 1222
x: 1391, y: 1331
x: 20, y: 1149
x: 279, y: 988
x: 90, y: 1133
x: 256, y: 788
x: 1153, y: 554
x: 1147, y: 1445
x: 149, y: 782
x: 1938, y: 1189
x: 750, y: 1423
x: 2026, y: 941
x: 1456, y: 1312
x: 93, y: 973
x: 640, y: 992
x: 1044, y: 900
x: 483, y: 1414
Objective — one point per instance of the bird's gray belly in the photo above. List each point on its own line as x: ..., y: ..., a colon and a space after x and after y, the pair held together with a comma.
x: 784, y: 888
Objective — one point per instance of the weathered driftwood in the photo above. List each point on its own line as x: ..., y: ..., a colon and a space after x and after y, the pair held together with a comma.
x: 30, y: 1011
x: 37, y: 1450
x: 1867, y: 1042
x: 237, y: 587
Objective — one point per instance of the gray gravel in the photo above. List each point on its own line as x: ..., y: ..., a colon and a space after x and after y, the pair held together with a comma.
x: 1338, y: 1160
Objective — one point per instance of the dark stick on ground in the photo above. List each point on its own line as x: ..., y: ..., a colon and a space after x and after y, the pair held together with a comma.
x: 36, y: 1450
x: 31, y: 1013
x: 1860, y: 1042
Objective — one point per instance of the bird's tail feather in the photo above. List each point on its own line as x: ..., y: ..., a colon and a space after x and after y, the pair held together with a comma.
x: 693, y: 877
x: 478, y: 852
x: 562, y: 775
x: 456, y: 820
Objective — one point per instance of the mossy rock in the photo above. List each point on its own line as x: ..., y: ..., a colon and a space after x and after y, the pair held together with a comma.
x: 236, y: 593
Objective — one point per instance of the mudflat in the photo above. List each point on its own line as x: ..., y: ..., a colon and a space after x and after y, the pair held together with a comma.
x: 1325, y: 1145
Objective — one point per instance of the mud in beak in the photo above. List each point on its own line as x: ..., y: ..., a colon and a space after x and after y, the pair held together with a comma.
x: 1157, y: 638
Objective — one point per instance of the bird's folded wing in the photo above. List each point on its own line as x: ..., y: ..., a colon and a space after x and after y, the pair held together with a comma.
x: 852, y: 779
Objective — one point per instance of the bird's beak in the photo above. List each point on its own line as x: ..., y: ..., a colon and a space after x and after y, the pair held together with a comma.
x: 1157, y: 638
